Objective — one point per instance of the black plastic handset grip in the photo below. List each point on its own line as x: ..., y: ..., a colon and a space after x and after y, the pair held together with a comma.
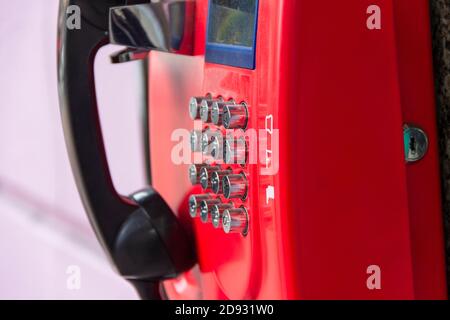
x: 140, y: 234
x: 78, y: 103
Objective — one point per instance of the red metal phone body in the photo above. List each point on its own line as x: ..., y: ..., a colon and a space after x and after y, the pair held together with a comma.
x: 345, y: 199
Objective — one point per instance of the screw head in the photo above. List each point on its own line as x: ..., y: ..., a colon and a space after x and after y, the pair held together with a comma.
x: 204, y: 178
x: 226, y: 221
x: 226, y: 117
x: 205, y: 140
x: 193, y: 205
x: 215, y: 112
x: 226, y: 187
x: 215, y: 182
x: 193, y: 174
x: 228, y: 152
x: 204, y: 211
x: 215, y: 216
x: 193, y: 108
x: 216, y: 148
x: 204, y: 110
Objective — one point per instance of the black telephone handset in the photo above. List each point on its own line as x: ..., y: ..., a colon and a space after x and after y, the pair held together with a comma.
x: 140, y: 233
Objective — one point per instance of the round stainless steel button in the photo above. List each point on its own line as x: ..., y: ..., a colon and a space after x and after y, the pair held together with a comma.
x: 235, y: 116
x: 217, y: 148
x: 205, y: 176
x: 194, y: 107
x: 235, y: 221
x: 205, y: 109
x: 194, y: 203
x: 206, y: 140
x: 235, y: 151
x: 211, y: 142
x: 205, y: 207
x: 216, y: 180
x: 217, y: 111
x: 195, y: 141
x: 235, y: 186
x: 194, y: 173
x: 217, y: 213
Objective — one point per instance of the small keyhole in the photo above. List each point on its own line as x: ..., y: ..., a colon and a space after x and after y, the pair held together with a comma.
x: 413, y: 145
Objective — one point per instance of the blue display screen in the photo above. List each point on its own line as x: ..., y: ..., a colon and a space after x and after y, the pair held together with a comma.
x: 231, y: 34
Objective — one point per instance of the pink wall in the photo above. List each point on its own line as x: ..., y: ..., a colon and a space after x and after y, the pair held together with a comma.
x: 43, y: 228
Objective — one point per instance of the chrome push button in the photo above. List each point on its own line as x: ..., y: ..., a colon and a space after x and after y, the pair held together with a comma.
x: 205, y: 207
x: 212, y: 144
x: 194, y: 203
x: 217, y: 111
x: 217, y: 213
x: 194, y: 107
x: 235, y: 221
x: 206, y: 107
x: 216, y: 180
x: 235, y: 116
x: 205, y: 176
x: 235, y: 186
x: 194, y: 173
x: 216, y: 148
x: 206, y: 140
x: 235, y: 151
x: 195, y: 140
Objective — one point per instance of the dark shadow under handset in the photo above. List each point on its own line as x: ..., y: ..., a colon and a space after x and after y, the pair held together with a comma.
x: 140, y: 234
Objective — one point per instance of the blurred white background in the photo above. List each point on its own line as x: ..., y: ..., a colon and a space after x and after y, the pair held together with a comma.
x: 43, y: 228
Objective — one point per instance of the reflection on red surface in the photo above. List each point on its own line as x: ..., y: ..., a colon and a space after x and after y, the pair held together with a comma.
x: 344, y: 198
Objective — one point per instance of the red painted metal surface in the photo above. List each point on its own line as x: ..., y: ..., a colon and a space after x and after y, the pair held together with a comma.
x: 344, y: 197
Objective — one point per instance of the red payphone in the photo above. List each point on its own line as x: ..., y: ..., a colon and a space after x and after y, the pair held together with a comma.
x: 293, y: 148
